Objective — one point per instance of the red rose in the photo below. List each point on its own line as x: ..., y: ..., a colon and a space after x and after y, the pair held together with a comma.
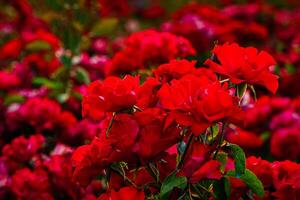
x: 125, y: 193
x: 21, y: 150
x: 261, y: 168
x: 243, y: 138
x: 11, y: 49
x: 147, y: 93
x: 244, y: 65
x: 28, y: 184
x: 285, y: 143
x: 198, y: 102
x: 286, y: 180
x: 175, y: 69
x: 9, y: 80
x: 116, y: 146
x: 148, y: 48
x: 153, y: 137
x: 111, y: 95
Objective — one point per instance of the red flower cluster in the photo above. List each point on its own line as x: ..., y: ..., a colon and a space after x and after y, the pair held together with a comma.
x: 244, y: 65
x: 153, y: 100
x: 181, y: 104
x: 148, y: 48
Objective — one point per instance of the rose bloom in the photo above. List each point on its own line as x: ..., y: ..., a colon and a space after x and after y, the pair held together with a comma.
x: 111, y: 95
x: 244, y: 65
x: 285, y: 143
x: 198, y: 102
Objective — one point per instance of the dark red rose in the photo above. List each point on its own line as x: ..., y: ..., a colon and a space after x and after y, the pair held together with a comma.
x: 28, y: 184
x: 148, y: 48
x: 286, y: 180
x: 22, y: 150
x: 285, y: 143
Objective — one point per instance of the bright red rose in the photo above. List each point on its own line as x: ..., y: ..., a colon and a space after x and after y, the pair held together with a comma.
x: 243, y: 138
x: 11, y: 49
x: 125, y: 193
x: 198, y: 102
x: 153, y: 137
x: 114, y: 146
x: 198, y: 166
x: 261, y: 168
x: 209, y: 170
x: 175, y: 69
x: 147, y: 93
x: 86, y: 161
x: 111, y: 95
x: 244, y: 65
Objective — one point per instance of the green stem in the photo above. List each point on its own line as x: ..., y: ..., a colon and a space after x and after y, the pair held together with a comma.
x: 190, y: 140
x: 221, y: 138
x: 110, y: 124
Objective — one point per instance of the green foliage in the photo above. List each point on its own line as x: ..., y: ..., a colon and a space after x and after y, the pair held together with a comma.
x: 239, y: 159
x: 170, y: 183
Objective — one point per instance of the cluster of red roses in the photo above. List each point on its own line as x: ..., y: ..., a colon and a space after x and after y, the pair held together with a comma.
x: 113, y: 108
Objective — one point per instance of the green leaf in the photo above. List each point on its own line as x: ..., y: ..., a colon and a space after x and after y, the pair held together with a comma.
x: 105, y: 27
x: 291, y: 69
x: 265, y: 135
x: 241, y: 90
x: 181, y: 147
x: 221, y: 189
x: 170, y: 183
x: 254, y: 92
x: 38, y: 45
x: 46, y: 82
x: 82, y: 76
x: 71, y: 40
x: 251, y: 180
x: 239, y: 159
x: 222, y: 157
x: 67, y: 61
x: 14, y: 98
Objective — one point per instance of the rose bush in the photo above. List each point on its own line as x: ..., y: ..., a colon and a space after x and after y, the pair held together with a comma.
x: 110, y: 100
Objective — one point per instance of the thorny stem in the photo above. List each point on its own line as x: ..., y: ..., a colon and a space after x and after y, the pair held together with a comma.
x: 110, y: 124
x: 220, y: 141
x: 125, y: 178
x: 190, y: 140
x: 152, y: 172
